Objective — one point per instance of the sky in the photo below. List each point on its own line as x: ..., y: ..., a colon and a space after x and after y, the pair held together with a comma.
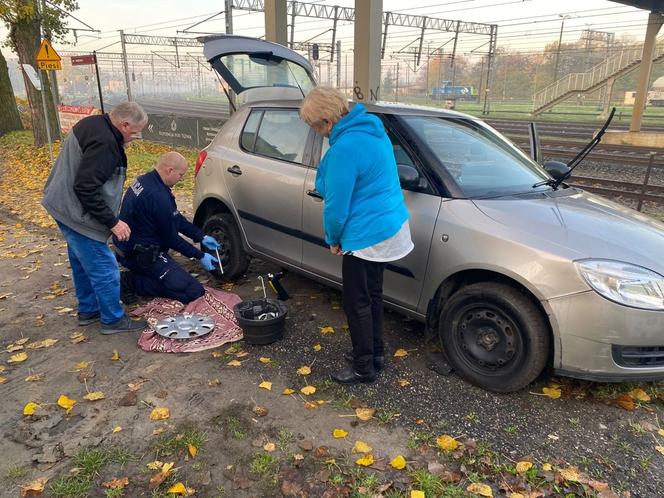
x: 523, y: 25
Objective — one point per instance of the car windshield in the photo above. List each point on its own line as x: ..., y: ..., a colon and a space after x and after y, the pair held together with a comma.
x: 260, y: 70
x: 481, y: 162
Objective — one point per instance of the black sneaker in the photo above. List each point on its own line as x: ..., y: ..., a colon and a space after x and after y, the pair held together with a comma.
x: 124, y: 324
x: 87, y: 318
x: 351, y: 376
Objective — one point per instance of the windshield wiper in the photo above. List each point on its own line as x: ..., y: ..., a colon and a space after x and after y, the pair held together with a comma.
x: 549, y: 181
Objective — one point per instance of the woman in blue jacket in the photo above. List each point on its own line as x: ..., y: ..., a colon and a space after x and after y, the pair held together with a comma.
x: 364, y: 218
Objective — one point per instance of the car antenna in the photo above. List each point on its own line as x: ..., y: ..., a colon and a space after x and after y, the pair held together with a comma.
x: 585, y: 151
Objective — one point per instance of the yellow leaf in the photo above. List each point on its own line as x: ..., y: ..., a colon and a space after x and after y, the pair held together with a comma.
x: 156, y: 465
x: 81, y: 365
x: 639, y: 394
x: 20, y: 342
x: 234, y: 363
x: 14, y: 347
x: 265, y: 385
x: 269, y: 447
x: 569, y: 474
x: 660, y: 432
x: 217, y: 354
x: 34, y: 378
x: 117, y: 429
x: 626, y: 402
x: 30, y: 408
x: 116, y: 355
x: 660, y: 449
x: 480, y: 489
x: 307, y: 390
x: 287, y: 392
x: 327, y: 330
x: 2, y: 368
x: 547, y: 467
x: 66, y: 403
x: 17, y: 358
x: 403, y: 382
x: 317, y: 347
x: 447, y: 443
x: 361, y: 447
x: 400, y: 353
x: 94, y: 396
x: 298, y: 457
x: 116, y: 483
x: 416, y: 493
x: 241, y: 354
x: 264, y: 359
x: 339, y: 433
x: 304, y: 370
x: 551, y: 392
x: 398, y: 462
x: 192, y: 450
x: 46, y: 343
x: 35, y: 488
x: 364, y: 414
x: 3, y: 379
x: 522, y: 467
x: 366, y: 460
x: 160, y: 413
x: 178, y: 488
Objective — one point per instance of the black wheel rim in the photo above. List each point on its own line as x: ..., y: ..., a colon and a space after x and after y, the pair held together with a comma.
x: 226, y: 249
x: 487, y: 339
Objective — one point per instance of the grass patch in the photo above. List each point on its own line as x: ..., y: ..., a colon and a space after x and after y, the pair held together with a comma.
x: 384, y: 417
x: 284, y: 439
x: 427, y: 482
x: 178, y: 442
x: 77, y: 486
x: 264, y: 465
x: 418, y: 438
x: 15, y: 473
x: 114, y: 493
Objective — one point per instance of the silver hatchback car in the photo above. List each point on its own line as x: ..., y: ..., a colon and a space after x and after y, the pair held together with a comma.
x: 513, y: 272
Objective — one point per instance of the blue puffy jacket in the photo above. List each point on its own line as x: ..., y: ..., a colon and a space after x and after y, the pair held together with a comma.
x: 359, y: 182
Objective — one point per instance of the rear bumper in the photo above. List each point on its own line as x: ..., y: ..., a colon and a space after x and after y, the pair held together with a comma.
x: 602, y: 340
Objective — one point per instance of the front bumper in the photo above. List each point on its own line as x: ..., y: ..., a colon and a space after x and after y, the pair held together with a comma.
x: 601, y: 340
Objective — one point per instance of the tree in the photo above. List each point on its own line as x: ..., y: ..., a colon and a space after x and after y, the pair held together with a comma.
x: 23, y: 19
x: 11, y: 120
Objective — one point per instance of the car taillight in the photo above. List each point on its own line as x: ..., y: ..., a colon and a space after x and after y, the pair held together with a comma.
x: 199, y: 162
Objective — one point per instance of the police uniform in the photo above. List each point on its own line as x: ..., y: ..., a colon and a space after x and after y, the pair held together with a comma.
x: 149, y: 209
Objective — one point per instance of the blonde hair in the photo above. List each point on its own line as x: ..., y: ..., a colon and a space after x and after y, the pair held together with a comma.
x: 323, y: 104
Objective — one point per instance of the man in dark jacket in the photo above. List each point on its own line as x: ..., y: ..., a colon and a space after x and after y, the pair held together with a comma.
x: 83, y: 195
x: 150, y: 210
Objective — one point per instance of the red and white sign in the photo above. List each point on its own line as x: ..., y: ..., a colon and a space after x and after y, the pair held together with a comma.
x: 72, y: 114
x: 82, y: 60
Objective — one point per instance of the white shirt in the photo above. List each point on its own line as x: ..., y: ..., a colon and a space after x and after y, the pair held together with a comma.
x: 396, y: 247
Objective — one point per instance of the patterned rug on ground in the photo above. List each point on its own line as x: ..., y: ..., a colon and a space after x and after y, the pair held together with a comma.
x: 215, y: 304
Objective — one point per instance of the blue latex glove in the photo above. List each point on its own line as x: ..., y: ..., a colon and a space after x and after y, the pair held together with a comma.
x: 210, y: 243
x: 208, y: 261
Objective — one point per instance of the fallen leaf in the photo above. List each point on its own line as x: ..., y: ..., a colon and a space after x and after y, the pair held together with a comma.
x: 416, y: 493
x: 241, y: 354
x: 81, y: 365
x: 116, y: 483
x: 94, y: 396
x: 156, y: 465
x: 160, y: 413
x: 234, y: 363
x: 400, y: 353
x: 307, y: 390
x: 398, y: 462
x: 260, y: 411
x: 192, y: 450
x: 46, y: 343
x: 317, y: 347
x: 34, y: 378
x: 626, y: 402
x: 660, y: 432
x: 366, y: 460
x: 17, y: 358
x: 30, y: 408
x: 569, y: 474
x: 116, y: 355
x: 403, y: 382
x: 298, y: 457
x: 304, y: 370
x: 523, y: 466
x: 287, y: 392
x: 116, y: 429
x: 264, y: 359
x: 551, y: 392
x: 65, y: 310
x: 327, y: 330
x: 361, y: 447
x: 364, y: 414
x: 3, y: 379
x: 214, y: 382
x: 20, y: 342
x: 217, y: 354
x: 14, y: 347
x: 660, y: 449
x: 339, y: 433
x: 480, y: 489
x: 77, y: 337
x: 639, y: 394
x: 310, y: 405
x: 269, y: 447
x: 66, y: 403
x: 265, y: 385
x: 547, y: 467
x: 35, y: 488
x: 178, y: 489
x: 447, y: 443
x: 166, y: 471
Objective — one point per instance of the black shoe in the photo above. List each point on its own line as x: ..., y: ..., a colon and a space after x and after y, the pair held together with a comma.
x: 87, y: 318
x: 127, y: 289
x: 124, y: 324
x: 378, y: 361
x: 351, y: 376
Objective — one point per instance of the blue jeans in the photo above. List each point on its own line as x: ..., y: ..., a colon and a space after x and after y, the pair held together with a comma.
x: 96, y: 275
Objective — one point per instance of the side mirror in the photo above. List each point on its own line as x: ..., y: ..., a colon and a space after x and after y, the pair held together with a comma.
x: 556, y: 169
x: 408, y: 177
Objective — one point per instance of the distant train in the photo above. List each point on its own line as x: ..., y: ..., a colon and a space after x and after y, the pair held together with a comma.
x: 447, y: 91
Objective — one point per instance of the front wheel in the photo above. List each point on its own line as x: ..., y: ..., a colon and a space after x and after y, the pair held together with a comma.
x: 494, y: 336
x: 234, y: 258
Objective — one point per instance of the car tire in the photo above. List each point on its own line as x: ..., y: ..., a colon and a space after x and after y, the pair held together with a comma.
x: 494, y: 336
x: 234, y: 258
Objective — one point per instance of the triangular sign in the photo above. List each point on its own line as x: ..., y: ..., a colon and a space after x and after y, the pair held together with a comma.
x: 46, y: 53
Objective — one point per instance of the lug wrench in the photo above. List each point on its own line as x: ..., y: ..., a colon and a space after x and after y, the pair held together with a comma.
x: 221, y: 268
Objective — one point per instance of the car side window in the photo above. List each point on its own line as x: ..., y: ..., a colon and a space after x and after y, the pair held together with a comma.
x: 249, y: 132
x: 281, y: 135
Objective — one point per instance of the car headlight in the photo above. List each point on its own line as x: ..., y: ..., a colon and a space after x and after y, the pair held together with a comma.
x: 624, y: 283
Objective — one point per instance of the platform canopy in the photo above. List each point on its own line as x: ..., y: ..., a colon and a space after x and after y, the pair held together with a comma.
x: 642, y: 4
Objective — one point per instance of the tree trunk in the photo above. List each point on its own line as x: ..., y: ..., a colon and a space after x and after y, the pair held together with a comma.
x: 11, y: 120
x: 25, y: 38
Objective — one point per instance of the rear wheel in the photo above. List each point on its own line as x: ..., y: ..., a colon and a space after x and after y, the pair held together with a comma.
x: 494, y: 336
x: 234, y: 258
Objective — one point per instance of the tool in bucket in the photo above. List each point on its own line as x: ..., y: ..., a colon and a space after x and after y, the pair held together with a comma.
x: 260, y: 311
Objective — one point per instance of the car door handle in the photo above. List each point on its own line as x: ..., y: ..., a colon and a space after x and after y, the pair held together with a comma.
x: 234, y: 170
x: 314, y: 194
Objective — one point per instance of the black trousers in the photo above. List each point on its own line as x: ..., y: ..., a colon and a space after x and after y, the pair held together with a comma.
x: 164, y: 278
x: 363, y: 304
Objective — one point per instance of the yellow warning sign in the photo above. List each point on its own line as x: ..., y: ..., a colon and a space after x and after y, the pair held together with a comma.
x: 47, y: 58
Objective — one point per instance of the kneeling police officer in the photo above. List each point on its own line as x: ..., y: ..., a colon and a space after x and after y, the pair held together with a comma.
x: 150, y: 210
